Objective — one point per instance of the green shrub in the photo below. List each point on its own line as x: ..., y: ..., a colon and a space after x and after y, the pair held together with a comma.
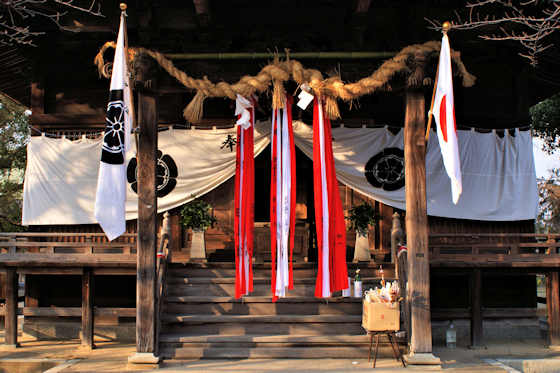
x: 196, y: 215
x: 360, y: 217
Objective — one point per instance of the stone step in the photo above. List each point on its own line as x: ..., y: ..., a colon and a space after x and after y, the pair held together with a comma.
x: 267, y: 340
x: 256, y: 280
x: 260, y: 299
x: 262, y: 324
x: 338, y: 352
x: 217, y: 270
x: 210, y: 319
x: 260, y: 288
x: 227, y: 307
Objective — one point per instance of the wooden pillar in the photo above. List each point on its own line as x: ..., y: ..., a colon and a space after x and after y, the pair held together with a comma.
x: 10, y: 316
x: 385, y: 224
x: 87, y: 309
x: 175, y: 239
x: 476, y: 309
x: 147, y: 215
x: 31, y: 291
x: 417, y: 227
x: 553, y: 308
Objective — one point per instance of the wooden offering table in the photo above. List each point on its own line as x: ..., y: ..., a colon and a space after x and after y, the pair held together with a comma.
x: 391, y: 336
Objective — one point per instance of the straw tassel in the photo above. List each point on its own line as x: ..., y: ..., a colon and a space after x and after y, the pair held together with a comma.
x: 331, y: 107
x: 278, y: 95
x: 193, y: 111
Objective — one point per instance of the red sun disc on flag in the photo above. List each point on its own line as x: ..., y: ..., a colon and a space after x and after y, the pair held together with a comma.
x: 443, y: 118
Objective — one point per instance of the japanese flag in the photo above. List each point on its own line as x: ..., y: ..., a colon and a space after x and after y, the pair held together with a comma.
x: 444, y: 114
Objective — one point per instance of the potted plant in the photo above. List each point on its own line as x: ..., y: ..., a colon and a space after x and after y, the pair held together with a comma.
x: 361, y: 217
x: 196, y: 216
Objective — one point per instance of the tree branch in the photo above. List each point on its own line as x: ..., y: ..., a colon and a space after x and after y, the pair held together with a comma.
x: 15, y: 22
x: 529, y: 23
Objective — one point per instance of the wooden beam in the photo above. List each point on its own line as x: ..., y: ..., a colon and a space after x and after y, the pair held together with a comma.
x: 487, y: 313
x: 76, y: 120
x: 147, y: 212
x: 529, y: 261
x: 476, y: 309
x: 67, y: 260
x: 87, y: 308
x: 417, y: 224
x: 10, y: 317
x: 553, y: 307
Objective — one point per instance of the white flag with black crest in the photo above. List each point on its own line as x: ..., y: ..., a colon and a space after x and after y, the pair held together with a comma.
x: 111, y: 183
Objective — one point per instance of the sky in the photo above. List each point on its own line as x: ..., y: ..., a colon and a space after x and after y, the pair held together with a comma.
x: 543, y: 161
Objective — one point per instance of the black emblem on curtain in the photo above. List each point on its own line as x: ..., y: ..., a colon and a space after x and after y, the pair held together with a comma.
x: 386, y: 169
x: 166, y: 174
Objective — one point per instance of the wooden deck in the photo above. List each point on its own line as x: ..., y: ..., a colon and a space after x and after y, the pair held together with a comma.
x: 83, y: 254
x: 89, y: 254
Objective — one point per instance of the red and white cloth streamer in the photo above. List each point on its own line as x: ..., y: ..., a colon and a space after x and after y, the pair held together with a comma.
x: 332, y: 274
x: 244, y: 196
x: 282, y: 200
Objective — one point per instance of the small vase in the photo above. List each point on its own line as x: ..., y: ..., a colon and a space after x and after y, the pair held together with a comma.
x: 361, y: 249
x: 198, y: 248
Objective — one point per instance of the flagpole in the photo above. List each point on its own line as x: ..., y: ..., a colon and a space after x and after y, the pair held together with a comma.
x: 131, y: 111
x: 445, y: 27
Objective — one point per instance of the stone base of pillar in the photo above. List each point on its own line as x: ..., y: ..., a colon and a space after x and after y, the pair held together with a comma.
x: 554, y: 348
x: 4, y: 347
x: 144, y: 358
x: 424, y: 360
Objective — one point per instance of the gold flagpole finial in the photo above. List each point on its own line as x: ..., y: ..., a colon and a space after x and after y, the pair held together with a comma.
x: 123, y: 6
x: 445, y: 27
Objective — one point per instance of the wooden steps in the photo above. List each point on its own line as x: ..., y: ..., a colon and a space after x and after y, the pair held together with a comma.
x: 202, y: 319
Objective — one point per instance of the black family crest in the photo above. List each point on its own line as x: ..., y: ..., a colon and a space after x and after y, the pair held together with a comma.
x: 166, y: 174
x: 386, y: 169
x: 112, y: 151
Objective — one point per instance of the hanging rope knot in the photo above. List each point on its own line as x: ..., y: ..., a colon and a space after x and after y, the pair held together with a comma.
x: 405, y: 65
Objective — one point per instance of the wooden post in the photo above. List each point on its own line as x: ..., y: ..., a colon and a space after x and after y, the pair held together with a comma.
x: 31, y: 291
x: 385, y: 224
x: 10, y: 316
x: 417, y: 231
x: 476, y: 309
x: 147, y: 215
x: 87, y: 309
x: 553, y: 308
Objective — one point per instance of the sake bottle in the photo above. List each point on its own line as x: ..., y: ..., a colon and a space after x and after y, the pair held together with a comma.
x: 357, y: 285
x: 348, y: 292
x: 451, y: 336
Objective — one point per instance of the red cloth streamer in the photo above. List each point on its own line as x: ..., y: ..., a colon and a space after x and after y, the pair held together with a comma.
x: 332, y: 274
x: 244, y: 208
x: 277, y: 152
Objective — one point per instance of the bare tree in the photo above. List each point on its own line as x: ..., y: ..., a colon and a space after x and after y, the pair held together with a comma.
x: 16, y: 17
x: 527, y: 22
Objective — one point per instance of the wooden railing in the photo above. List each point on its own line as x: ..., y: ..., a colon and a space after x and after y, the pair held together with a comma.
x: 493, y: 243
x: 497, y: 248
x: 66, y: 243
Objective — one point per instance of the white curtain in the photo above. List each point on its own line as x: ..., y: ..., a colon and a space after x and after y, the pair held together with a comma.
x: 499, y: 181
x: 61, y: 175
